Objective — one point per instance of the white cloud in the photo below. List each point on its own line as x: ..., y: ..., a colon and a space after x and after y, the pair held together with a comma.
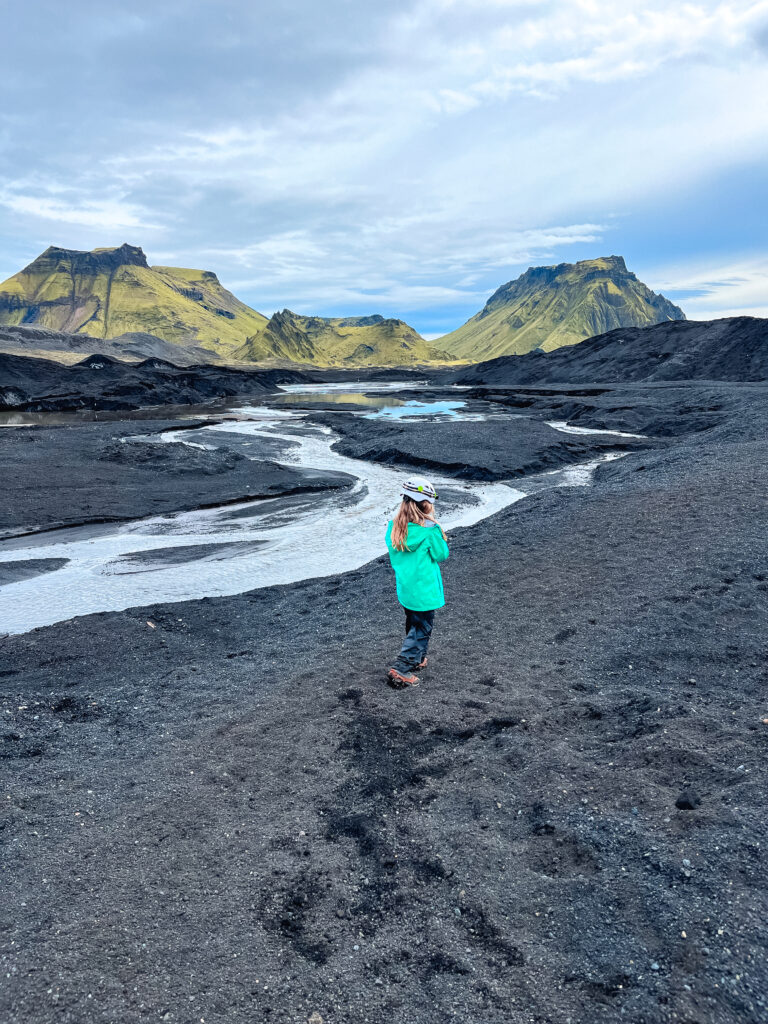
x: 472, y: 138
x: 737, y: 288
x: 379, y: 269
x: 544, y: 47
x: 106, y: 214
x: 440, y: 133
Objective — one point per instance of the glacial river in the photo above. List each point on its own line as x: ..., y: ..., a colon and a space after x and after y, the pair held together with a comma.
x: 257, y: 543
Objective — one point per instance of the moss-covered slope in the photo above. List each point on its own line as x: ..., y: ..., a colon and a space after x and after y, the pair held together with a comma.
x: 109, y: 292
x: 548, y: 307
x: 340, y: 341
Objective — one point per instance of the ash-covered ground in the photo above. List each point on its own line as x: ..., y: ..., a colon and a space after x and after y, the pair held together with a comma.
x: 217, y: 810
x: 109, y: 472
x: 103, y: 382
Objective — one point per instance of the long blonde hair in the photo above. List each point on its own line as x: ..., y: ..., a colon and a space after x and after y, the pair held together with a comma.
x: 410, y: 511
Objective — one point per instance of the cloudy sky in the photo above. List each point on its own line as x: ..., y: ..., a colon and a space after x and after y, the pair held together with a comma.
x: 405, y: 157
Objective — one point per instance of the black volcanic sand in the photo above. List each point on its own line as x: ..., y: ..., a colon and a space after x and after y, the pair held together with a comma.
x: 100, y: 382
x: 15, y: 572
x: 157, y: 558
x: 493, y: 450
x: 715, y: 409
x: 27, y: 340
x: 229, y: 816
x: 86, y: 473
x: 732, y: 348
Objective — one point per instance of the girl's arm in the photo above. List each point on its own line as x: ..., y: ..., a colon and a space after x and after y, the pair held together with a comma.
x: 438, y: 545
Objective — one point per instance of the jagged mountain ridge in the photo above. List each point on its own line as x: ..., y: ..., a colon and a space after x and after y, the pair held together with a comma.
x: 549, y: 307
x: 340, y: 341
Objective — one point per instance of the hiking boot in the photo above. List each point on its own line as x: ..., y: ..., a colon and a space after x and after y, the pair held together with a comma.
x: 400, y: 681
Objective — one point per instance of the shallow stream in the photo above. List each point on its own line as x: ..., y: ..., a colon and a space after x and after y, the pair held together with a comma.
x: 237, y: 547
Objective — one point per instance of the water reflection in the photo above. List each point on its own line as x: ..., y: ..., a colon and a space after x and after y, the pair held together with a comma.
x: 413, y: 409
x: 338, y: 398
x: 356, y: 386
x: 380, y: 406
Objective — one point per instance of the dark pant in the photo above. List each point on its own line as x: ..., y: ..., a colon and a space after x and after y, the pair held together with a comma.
x: 418, y: 628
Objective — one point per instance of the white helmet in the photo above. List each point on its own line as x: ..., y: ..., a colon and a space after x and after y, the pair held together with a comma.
x: 419, y: 488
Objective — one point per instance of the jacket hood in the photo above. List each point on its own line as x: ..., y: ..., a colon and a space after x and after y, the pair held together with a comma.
x: 418, y: 535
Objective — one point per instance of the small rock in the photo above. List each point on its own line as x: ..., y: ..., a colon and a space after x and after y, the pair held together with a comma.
x: 315, y: 1018
x: 688, y: 800
x: 686, y: 862
x: 654, y: 966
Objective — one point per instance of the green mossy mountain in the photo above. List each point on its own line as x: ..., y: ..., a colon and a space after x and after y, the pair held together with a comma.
x: 340, y: 341
x: 549, y: 307
x: 109, y: 292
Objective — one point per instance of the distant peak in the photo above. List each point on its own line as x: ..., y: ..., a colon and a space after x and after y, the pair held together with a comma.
x: 283, y: 316
x: 608, y: 263
x: 603, y: 262
x: 107, y: 258
x: 558, y: 273
x: 361, y: 321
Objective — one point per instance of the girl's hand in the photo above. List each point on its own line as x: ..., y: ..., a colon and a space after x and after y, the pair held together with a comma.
x: 433, y: 520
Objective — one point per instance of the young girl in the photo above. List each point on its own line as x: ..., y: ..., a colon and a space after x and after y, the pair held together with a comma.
x: 417, y: 544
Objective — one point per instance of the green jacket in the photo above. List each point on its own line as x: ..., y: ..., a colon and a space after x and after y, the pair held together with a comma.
x: 417, y: 573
